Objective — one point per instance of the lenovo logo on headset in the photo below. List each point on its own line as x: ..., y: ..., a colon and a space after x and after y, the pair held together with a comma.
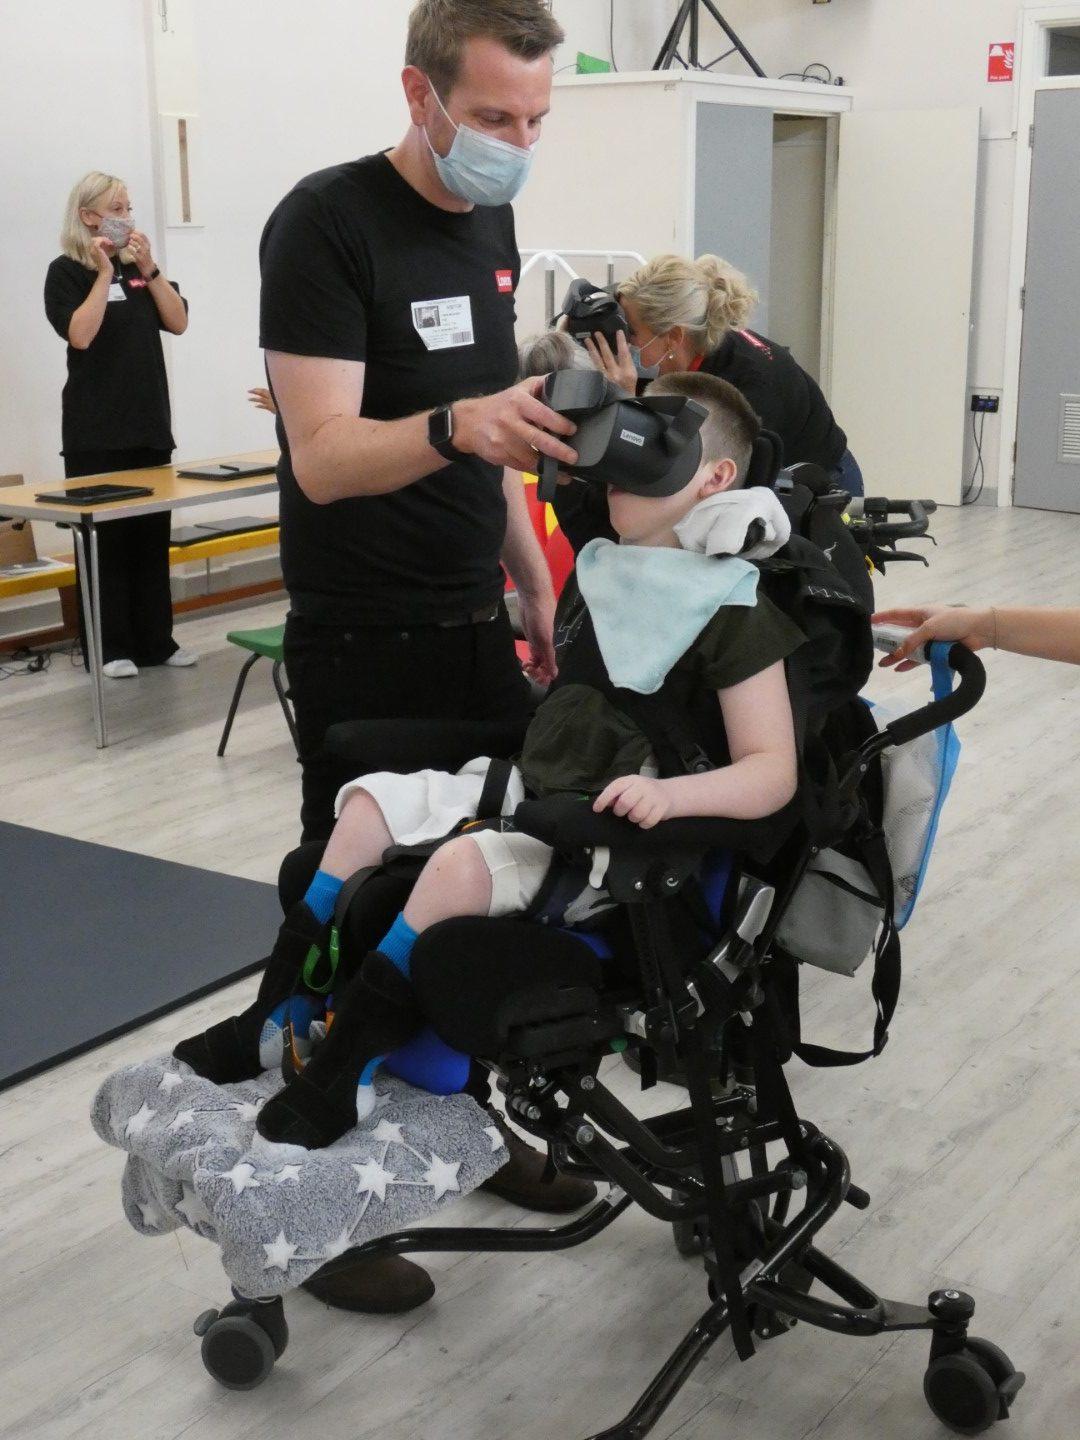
x: 504, y: 279
x: 632, y: 437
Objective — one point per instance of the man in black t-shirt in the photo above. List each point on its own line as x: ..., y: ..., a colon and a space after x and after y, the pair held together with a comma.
x: 387, y: 319
x: 388, y: 324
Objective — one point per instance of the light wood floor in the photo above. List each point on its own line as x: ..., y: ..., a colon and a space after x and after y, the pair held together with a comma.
x: 965, y: 1132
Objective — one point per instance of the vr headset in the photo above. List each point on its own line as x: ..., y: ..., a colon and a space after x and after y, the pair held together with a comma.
x: 647, y: 446
x: 588, y: 309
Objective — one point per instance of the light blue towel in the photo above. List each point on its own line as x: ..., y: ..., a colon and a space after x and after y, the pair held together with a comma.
x: 648, y: 606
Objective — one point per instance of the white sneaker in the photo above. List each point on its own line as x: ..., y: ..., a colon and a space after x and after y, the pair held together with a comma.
x: 120, y: 669
x: 181, y: 659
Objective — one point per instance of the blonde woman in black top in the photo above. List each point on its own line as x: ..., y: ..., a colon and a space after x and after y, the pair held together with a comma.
x: 692, y: 315
x: 106, y: 296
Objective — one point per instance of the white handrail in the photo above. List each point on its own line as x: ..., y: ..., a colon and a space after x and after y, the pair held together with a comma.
x: 556, y: 258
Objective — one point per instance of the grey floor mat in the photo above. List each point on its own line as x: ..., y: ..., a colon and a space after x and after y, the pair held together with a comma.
x: 95, y: 941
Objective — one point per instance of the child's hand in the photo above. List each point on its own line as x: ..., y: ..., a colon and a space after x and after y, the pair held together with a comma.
x: 644, y: 801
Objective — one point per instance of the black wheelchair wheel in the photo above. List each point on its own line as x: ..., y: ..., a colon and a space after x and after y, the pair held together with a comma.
x: 237, y: 1350
x: 962, y: 1391
x: 689, y: 1236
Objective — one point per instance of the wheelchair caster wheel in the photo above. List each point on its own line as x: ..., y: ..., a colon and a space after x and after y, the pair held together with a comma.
x: 971, y: 1388
x: 689, y: 1236
x: 241, y: 1343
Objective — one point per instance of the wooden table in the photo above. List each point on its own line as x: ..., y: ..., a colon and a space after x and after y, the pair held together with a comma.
x: 170, y: 492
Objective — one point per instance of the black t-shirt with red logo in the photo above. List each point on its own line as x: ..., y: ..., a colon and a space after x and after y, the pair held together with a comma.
x: 117, y: 393
x: 356, y: 265
x: 788, y: 400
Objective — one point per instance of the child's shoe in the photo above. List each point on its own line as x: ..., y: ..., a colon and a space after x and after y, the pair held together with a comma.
x: 230, y: 1050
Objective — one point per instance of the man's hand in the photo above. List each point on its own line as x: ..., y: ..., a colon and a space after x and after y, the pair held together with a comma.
x: 538, y: 622
x: 637, y: 797
x: 618, y: 367
x: 951, y: 623
x: 511, y: 428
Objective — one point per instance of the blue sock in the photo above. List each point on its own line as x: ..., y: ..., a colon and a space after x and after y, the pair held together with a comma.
x: 397, y: 944
x: 322, y: 895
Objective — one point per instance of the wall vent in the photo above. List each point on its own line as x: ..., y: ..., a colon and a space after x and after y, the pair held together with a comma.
x: 1069, y: 430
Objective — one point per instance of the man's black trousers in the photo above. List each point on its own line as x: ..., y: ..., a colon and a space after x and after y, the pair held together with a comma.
x: 383, y: 672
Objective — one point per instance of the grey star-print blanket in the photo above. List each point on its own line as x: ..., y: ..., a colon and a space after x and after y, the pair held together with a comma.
x: 279, y: 1212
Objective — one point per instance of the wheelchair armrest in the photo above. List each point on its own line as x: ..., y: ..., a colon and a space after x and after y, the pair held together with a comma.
x: 406, y: 745
x: 660, y: 858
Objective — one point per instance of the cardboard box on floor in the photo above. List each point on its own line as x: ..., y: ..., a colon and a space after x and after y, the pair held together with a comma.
x: 16, y: 536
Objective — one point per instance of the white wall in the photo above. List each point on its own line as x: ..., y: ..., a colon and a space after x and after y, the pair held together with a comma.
x: 904, y: 55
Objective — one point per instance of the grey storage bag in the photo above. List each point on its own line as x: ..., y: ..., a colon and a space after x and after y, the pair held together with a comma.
x: 834, y: 917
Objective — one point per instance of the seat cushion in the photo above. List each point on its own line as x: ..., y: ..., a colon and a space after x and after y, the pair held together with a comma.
x: 267, y: 642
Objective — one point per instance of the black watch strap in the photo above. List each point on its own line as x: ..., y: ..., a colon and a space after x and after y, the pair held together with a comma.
x: 153, y: 274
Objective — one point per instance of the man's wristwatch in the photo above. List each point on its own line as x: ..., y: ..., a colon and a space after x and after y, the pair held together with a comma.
x: 153, y: 274
x: 440, y: 433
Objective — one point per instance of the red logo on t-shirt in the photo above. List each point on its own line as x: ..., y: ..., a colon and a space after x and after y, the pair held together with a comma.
x: 137, y: 284
x: 504, y: 279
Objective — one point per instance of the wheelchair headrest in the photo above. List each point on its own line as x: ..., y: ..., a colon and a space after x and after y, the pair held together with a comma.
x: 766, y: 458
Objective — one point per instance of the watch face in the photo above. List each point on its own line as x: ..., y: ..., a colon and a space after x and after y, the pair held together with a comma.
x: 440, y: 426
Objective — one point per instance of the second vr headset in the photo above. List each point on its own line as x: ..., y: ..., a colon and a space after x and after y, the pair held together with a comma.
x: 647, y: 446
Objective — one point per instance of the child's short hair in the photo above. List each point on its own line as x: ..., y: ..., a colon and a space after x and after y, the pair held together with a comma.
x: 732, y: 425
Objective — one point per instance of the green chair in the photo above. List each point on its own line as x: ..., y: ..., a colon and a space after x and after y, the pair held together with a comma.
x: 266, y: 644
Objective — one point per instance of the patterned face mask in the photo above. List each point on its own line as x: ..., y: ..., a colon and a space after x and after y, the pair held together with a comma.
x: 116, y: 230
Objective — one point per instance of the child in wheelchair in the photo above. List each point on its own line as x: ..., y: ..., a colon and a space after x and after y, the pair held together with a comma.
x: 666, y: 607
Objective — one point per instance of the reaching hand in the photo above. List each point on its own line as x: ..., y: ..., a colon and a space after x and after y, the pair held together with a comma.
x: 618, y: 367
x: 638, y: 797
x: 951, y: 623
x: 262, y: 399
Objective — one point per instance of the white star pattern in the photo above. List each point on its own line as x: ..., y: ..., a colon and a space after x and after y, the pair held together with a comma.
x: 373, y: 1178
x: 193, y: 1210
x: 390, y: 1133
x: 287, y: 1175
x: 242, y: 1176
x: 182, y: 1118
x: 493, y: 1133
x: 337, y: 1247
x: 139, y: 1121
x: 170, y: 1080
x: 280, y: 1253
x: 441, y: 1175
x: 151, y: 1216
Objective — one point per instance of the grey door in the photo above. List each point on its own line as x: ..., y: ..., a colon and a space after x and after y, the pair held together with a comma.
x: 733, y: 192
x: 1047, y: 463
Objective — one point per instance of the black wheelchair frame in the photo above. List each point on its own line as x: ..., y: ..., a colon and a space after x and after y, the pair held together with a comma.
x: 703, y: 1168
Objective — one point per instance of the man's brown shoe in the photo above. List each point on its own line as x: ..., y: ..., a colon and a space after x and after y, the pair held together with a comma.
x: 372, y: 1284
x: 521, y: 1179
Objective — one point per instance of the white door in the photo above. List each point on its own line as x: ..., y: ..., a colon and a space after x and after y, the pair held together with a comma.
x: 902, y: 296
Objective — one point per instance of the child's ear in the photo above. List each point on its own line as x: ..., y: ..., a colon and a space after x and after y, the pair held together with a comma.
x: 722, y: 475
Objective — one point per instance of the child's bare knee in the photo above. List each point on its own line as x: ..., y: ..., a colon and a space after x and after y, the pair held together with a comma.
x: 463, y: 857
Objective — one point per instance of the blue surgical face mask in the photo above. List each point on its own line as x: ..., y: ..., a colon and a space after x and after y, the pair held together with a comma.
x: 646, y: 372
x: 480, y: 168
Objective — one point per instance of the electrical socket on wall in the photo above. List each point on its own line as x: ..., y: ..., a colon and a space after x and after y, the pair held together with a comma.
x: 985, y: 404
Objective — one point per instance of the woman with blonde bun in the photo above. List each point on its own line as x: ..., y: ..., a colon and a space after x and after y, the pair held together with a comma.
x: 106, y: 296
x: 692, y: 315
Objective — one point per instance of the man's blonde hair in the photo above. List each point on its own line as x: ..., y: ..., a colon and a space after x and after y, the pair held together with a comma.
x: 732, y: 425
x: 75, y: 236
x: 707, y: 297
x: 438, y: 30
